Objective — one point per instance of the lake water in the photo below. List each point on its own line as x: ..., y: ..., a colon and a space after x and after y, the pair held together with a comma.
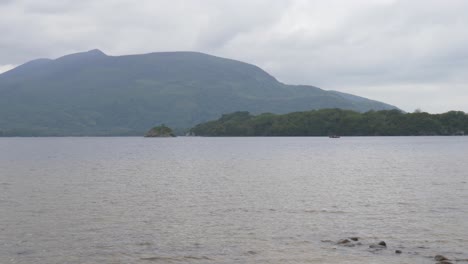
x: 232, y: 200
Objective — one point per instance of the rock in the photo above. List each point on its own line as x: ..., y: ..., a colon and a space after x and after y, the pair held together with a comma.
x: 354, y: 238
x: 440, y: 258
x: 343, y: 241
x: 380, y: 245
x: 398, y: 251
x: 375, y: 246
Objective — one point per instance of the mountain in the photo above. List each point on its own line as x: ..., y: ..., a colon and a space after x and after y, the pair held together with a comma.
x: 91, y: 93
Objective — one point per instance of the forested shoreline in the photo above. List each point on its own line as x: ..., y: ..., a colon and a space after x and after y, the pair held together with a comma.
x: 326, y: 122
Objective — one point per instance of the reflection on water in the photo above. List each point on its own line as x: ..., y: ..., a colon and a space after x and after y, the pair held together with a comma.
x: 232, y: 200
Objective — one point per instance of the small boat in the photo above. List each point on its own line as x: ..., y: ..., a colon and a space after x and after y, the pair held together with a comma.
x: 334, y: 136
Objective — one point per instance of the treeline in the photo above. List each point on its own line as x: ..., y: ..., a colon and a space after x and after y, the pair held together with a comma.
x: 328, y: 122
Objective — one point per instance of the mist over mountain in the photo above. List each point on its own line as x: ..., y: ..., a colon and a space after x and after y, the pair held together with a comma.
x: 91, y: 93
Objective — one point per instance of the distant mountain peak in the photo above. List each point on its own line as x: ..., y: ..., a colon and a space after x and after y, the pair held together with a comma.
x: 96, y: 52
x: 91, y: 54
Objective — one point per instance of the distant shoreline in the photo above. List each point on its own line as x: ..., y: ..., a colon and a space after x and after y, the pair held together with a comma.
x: 337, y: 122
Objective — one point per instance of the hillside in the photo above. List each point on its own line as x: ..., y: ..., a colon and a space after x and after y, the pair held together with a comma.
x: 327, y: 122
x: 91, y: 93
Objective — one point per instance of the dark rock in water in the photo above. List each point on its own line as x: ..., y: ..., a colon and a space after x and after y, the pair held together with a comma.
x: 440, y: 258
x: 398, y: 251
x: 354, y: 238
x: 380, y: 245
x: 343, y: 241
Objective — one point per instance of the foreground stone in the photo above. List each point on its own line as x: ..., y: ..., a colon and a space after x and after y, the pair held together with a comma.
x: 343, y: 241
x: 380, y: 245
x: 377, y: 247
x: 440, y: 258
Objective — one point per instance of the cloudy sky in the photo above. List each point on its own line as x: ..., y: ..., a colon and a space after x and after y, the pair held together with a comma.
x: 413, y: 54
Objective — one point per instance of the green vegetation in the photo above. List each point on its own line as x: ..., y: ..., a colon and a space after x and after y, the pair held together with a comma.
x: 160, y: 131
x: 327, y: 122
x: 91, y: 93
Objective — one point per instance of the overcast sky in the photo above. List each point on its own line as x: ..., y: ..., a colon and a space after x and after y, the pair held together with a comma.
x: 409, y: 53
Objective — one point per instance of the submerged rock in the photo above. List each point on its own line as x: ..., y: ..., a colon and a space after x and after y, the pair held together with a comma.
x: 398, y: 251
x: 354, y: 238
x: 347, y: 242
x: 343, y: 241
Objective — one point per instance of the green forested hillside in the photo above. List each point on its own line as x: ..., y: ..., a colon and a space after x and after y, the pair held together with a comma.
x: 326, y: 122
x: 91, y: 93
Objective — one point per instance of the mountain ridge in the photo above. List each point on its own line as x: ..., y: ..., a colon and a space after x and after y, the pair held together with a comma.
x: 91, y: 93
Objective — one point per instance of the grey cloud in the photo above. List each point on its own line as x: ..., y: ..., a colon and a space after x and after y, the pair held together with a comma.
x: 54, y: 7
x: 5, y: 2
x: 228, y: 20
x: 380, y: 49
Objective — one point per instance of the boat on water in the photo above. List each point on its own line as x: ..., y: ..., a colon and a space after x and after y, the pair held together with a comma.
x: 334, y: 136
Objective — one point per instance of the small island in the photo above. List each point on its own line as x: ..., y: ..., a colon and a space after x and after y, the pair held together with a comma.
x: 160, y: 131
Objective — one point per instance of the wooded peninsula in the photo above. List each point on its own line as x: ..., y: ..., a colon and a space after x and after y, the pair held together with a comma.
x: 327, y: 122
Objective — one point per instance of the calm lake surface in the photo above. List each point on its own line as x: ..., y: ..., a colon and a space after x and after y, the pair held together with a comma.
x: 232, y: 200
